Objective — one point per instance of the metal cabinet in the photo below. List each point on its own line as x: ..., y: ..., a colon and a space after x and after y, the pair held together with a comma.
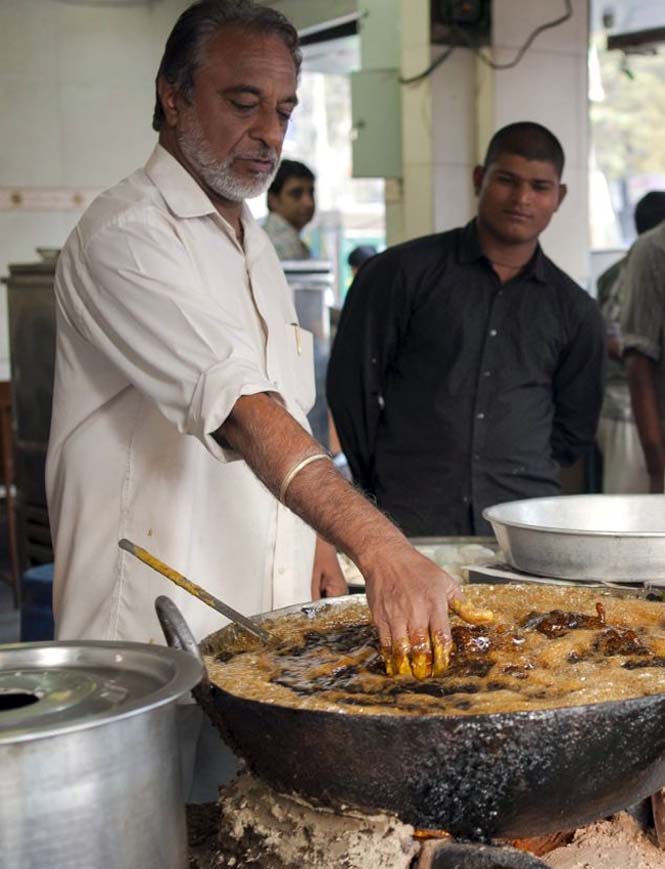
x: 31, y: 310
x: 311, y: 283
x: 31, y: 306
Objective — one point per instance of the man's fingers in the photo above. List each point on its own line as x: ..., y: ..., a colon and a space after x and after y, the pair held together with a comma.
x: 334, y: 586
x: 401, y: 660
x: 412, y: 617
x: 442, y: 642
x: 316, y: 586
x: 441, y: 649
x: 395, y: 644
x: 385, y: 643
x: 401, y: 647
x: 421, y: 654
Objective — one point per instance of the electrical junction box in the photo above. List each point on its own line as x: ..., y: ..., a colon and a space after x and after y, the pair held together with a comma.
x: 376, y: 126
x: 461, y: 22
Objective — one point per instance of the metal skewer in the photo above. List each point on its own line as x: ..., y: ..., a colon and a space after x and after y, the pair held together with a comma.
x: 196, y: 590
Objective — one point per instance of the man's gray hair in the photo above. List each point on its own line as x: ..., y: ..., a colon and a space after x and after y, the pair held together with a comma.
x: 185, y: 46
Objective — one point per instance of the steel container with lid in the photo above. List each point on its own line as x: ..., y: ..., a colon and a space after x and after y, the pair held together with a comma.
x: 89, y: 755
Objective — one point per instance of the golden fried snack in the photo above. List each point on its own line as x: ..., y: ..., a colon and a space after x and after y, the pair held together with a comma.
x: 469, y: 613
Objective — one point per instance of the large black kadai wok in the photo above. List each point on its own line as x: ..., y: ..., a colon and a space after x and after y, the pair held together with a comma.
x: 508, y: 775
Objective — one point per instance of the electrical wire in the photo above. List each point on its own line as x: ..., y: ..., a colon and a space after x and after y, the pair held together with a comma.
x: 522, y: 51
x: 482, y: 56
x: 430, y: 69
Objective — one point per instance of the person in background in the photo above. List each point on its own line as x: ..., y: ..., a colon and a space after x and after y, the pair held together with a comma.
x: 183, y: 380
x: 624, y: 468
x: 642, y: 291
x: 360, y: 255
x: 467, y: 367
x: 291, y: 207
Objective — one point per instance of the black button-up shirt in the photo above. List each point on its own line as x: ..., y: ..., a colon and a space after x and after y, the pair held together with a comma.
x: 451, y: 391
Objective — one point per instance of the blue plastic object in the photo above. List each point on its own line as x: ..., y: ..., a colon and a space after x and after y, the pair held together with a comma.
x: 37, y: 609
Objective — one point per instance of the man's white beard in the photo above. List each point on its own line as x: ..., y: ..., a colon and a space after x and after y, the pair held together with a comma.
x: 219, y: 174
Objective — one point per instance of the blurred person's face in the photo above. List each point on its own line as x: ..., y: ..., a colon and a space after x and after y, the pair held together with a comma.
x: 230, y: 135
x: 295, y: 201
x: 517, y: 198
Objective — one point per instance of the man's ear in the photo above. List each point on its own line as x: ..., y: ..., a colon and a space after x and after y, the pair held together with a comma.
x: 271, y: 201
x: 563, y: 189
x: 478, y: 176
x: 168, y: 96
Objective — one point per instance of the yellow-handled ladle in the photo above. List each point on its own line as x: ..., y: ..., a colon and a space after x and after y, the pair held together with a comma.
x: 196, y: 590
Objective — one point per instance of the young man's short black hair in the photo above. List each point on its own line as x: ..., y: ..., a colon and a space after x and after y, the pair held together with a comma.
x: 361, y: 254
x: 289, y: 169
x: 650, y: 211
x: 529, y: 140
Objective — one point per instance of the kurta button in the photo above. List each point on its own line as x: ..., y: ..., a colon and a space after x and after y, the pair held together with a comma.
x: 493, y: 332
x: 281, y: 570
x: 480, y: 416
x: 476, y: 456
x: 486, y: 373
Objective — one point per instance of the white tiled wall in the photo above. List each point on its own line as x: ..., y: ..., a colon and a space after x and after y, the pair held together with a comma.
x: 76, y: 101
x: 549, y: 86
x: 453, y: 138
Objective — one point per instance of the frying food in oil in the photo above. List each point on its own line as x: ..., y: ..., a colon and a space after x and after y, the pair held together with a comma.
x: 546, y: 647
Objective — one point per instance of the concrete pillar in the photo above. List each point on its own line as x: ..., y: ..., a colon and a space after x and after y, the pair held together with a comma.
x: 550, y: 86
x: 448, y: 118
x: 417, y: 195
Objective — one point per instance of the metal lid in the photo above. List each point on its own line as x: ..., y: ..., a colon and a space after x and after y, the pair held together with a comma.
x: 51, y: 688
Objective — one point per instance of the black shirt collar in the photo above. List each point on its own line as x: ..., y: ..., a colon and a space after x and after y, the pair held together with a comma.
x: 470, y: 251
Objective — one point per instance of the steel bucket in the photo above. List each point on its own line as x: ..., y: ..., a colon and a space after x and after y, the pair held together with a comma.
x: 89, y: 755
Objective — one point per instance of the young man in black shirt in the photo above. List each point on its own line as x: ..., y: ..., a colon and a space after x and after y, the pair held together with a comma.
x: 467, y: 367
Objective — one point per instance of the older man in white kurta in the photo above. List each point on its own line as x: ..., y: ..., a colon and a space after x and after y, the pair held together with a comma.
x: 164, y: 321
x: 177, y: 341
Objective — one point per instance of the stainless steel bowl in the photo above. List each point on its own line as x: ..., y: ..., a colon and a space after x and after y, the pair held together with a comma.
x: 584, y: 537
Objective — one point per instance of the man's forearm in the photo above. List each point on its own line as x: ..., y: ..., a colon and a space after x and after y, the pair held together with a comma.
x: 272, y: 442
x: 407, y: 593
x: 644, y: 400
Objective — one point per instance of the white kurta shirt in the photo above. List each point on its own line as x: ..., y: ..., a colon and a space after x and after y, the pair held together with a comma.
x: 163, y: 322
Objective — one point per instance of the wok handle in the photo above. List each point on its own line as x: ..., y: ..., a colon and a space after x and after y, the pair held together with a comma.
x: 178, y: 636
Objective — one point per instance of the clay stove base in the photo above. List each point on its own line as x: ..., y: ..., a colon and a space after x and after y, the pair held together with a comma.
x: 259, y: 827
x: 252, y: 826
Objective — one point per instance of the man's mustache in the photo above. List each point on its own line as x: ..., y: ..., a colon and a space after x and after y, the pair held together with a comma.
x: 266, y: 154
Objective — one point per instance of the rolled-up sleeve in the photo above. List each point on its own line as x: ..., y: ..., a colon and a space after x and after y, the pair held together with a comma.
x: 139, y: 298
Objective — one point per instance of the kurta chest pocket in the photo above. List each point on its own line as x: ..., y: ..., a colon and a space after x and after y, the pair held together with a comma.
x: 299, y: 359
